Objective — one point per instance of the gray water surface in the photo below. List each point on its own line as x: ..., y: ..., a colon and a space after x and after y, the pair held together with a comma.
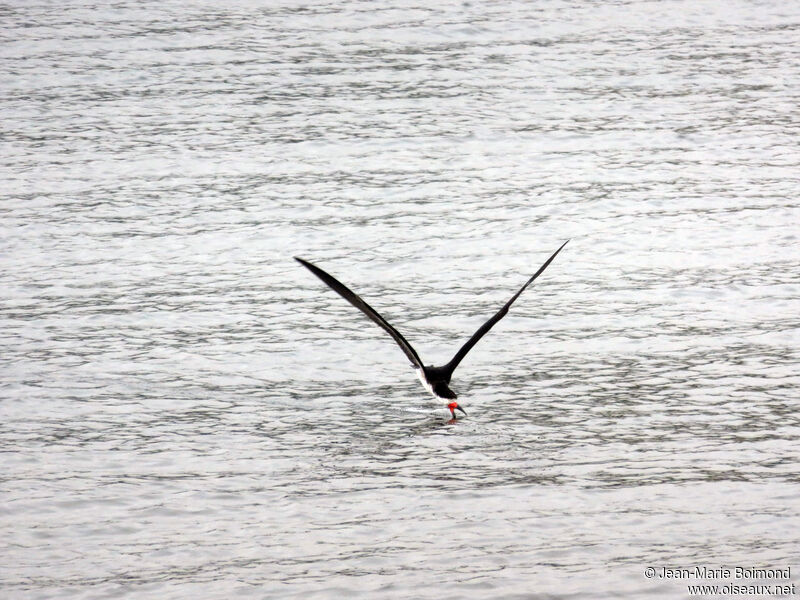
x: 187, y: 413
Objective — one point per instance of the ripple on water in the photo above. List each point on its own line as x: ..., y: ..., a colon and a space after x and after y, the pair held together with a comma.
x: 188, y: 413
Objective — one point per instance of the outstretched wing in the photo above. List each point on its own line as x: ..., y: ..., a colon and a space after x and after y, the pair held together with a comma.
x: 451, y: 366
x: 354, y: 299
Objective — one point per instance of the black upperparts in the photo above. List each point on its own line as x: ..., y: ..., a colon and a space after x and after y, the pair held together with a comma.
x: 437, y: 377
x: 441, y: 390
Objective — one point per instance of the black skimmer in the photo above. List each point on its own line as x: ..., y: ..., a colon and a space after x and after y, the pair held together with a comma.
x: 435, y: 379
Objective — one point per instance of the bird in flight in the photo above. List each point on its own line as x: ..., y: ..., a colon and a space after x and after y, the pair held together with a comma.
x: 435, y: 379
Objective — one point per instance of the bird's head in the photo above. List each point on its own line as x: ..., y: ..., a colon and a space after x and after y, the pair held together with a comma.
x: 453, y: 406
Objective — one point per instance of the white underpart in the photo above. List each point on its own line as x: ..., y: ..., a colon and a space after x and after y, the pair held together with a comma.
x: 425, y: 383
x: 441, y: 411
